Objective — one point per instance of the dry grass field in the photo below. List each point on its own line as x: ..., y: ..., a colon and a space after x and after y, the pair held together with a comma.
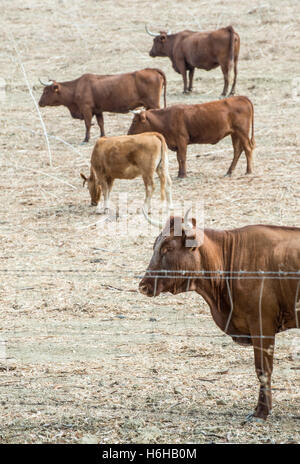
x: 85, y: 358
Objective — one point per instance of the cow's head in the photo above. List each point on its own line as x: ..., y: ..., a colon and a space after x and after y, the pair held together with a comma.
x: 51, y: 95
x: 140, y: 123
x: 175, y: 249
x: 160, y: 43
x: 94, y: 188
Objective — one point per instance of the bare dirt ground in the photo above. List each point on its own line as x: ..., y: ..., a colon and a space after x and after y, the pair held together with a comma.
x: 85, y: 357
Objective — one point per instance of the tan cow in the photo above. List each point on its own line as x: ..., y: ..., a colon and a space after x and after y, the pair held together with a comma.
x: 127, y: 157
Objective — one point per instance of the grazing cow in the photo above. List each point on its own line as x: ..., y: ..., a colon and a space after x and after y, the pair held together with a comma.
x: 127, y: 157
x: 205, y: 50
x: 182, y: 125
x: 250, y: 310
x: 91, y: 94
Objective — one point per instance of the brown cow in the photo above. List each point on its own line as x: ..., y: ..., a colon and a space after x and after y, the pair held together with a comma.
x: 182, y: 125
x: 127, y: 157
x: 205, y: 50
x: 91, y: 94
x: 250, y: 310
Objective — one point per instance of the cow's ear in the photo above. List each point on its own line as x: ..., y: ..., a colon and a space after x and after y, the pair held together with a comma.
x: 84, y: 178
x: 171, y: 222
x: 193, y: 237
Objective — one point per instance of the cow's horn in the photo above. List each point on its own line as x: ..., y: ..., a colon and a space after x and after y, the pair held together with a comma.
x: 135, y: 111
x: 46, y: 83
x: 149, y: 32
x: 152, y: 221
x: 187, y: 225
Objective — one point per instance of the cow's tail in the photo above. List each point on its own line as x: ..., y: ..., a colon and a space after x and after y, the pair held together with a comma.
x: 164, y: 85
x: 163, y: 171
x: 231, y: 50
x: 252, y: 140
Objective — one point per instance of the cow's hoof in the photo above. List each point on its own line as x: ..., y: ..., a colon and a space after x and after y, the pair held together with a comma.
x: 228, y: 174
x: 140, y: 210
x: 84, y: 142
x: 186, y: 92
x: 252, y: 418
x: 102, y: 211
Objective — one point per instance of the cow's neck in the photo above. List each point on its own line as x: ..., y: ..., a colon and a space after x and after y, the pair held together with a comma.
x: 67, y: 93
x: 170, y: 46
x: 214, y: 288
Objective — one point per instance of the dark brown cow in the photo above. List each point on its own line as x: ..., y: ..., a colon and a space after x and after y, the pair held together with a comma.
x: 205, y: 50
x: 251, y: 310
x: 91, y: 94
x: 182, y: 125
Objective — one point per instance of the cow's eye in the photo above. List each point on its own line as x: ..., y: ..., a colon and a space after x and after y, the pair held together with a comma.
x: 166, y: 250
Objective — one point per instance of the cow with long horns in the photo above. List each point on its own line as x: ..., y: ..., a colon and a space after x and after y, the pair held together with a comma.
x: 251, y: 307
x: 204, y: 50
x: 93, y: 94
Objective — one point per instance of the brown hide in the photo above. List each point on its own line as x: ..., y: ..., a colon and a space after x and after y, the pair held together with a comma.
x: 188, y: 50
x: 182, y: 125
x: 93, y: 94
x: 251, y: 310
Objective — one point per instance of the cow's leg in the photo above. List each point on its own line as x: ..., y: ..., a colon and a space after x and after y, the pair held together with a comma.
x: 106, y: 195
x: 191, y: 77
x: 169, y: 192
x: 106, y: 186
x: 182, y: 70
x: 248, y: 152
x: 87, y: 115
x: 225, y: 72
x: 263, y: 356
x: 165, y: 186
x: 110, y: 182
x: 149, y: 187
x: 100, y: 122
x: 181, y: 158
x: 105, y: 192
x: 237, y: 150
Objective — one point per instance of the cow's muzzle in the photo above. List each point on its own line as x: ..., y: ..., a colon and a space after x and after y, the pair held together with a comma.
x: 146, y: 288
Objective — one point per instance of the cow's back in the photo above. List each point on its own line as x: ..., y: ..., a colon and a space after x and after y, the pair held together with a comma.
x: 126, y: 156
x: 270, y: 257
x: 121, y: 92
x: 115, y: 93
x: 267, y: 248
x: 204, y: 50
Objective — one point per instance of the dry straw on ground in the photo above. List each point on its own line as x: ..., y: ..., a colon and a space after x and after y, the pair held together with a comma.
x: 89, y: 359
